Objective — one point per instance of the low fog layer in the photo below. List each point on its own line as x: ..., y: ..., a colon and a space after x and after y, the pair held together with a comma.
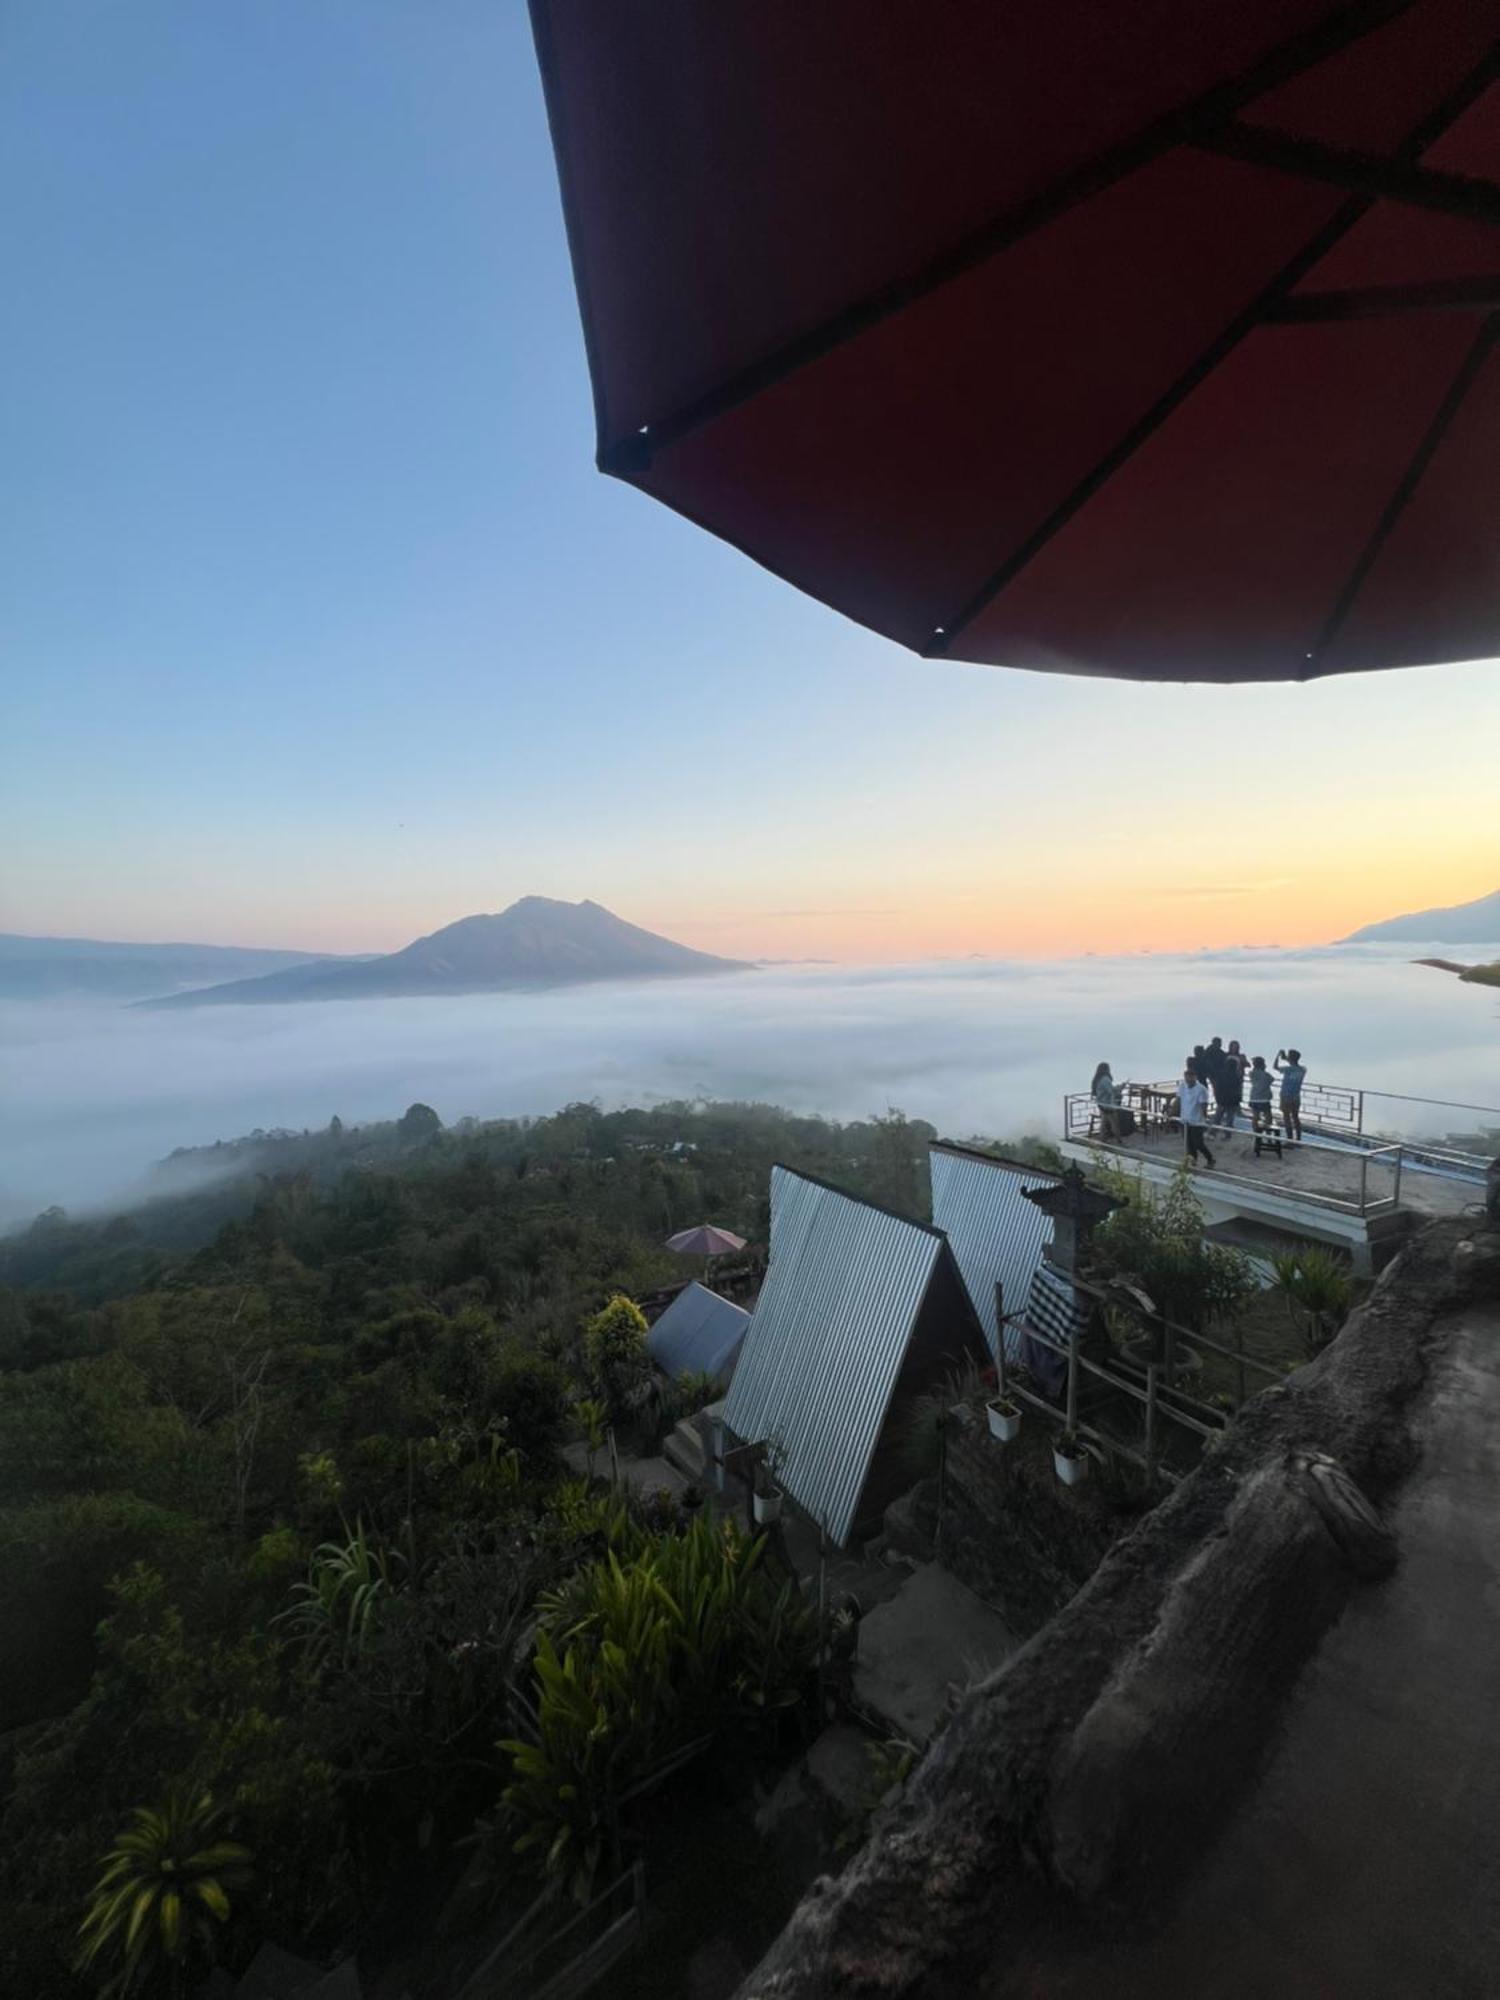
x: 94, y: 1094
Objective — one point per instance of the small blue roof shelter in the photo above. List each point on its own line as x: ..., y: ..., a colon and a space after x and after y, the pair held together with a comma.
x: 699, y: 1334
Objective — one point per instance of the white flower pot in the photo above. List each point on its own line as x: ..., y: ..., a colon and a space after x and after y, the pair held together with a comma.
x: 767, y: 1509
x: 1004, y: 1424
x: 1071, y: 1471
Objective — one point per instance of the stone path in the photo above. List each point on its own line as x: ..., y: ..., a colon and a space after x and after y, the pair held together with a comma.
x: 931, y: 1638
x: 1367, y: 1863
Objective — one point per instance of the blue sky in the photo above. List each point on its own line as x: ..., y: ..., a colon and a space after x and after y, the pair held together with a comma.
x: 319, y: 628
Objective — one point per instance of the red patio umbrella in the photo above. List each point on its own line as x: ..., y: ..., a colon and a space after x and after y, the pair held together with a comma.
x: 1153, y: 340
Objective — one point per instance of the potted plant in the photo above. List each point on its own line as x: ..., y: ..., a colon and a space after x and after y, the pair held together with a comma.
x: 1070, y: 1459
x: 766, y: 1493
x: 1005, y: 1418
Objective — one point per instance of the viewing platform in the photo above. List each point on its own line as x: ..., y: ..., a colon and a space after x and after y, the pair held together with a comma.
x: 1351, y: 1189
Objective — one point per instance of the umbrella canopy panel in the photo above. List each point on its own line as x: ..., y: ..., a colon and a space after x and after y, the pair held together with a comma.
x: 707, y: 1240
x: 1155, y: 341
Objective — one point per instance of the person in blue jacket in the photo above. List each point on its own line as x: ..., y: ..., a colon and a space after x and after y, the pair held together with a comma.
x: 1292, y: 1070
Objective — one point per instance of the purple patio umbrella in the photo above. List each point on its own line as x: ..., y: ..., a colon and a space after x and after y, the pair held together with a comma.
x: 706, y: 1241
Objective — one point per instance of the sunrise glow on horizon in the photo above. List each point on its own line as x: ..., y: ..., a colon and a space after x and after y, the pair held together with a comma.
x: 324, y: 631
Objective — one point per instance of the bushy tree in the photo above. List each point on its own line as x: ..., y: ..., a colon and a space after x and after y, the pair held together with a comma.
x: 619, y: 1362
x: 419, y: 1122
x: 1156, y: 1241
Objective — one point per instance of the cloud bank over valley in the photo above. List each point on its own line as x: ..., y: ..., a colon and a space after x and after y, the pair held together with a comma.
x: 94, y: 1093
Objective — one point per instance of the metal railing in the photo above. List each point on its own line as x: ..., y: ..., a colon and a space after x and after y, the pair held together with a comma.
x: 1334, y: 1110
x: 1334, y: 1116
x: 564, y: 1959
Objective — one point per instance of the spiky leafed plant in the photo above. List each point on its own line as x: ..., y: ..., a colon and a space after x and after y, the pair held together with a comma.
x: 592, y: 1414
x: 336, y: 1610
x: 642, y: 1657
x: 163, y: 1890
x: 1318, y: 1289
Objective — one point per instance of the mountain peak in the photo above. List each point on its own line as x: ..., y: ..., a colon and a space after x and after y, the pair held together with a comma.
x: 537, y: 942
x: 1460, y: 923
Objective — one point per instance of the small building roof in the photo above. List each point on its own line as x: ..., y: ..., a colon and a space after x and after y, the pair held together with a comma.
x: 857, y: 1302
x: 979, y: 1202
x: 699, y: 1333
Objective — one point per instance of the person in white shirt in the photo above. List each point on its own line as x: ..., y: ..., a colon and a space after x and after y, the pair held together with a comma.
x: 1192, y: 1109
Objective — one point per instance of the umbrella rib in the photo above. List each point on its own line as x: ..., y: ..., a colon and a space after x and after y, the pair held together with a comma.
x: 1478, y: 353
x: 1249, y: 317
x: 1268, y: 307
x: 1440, y: 295
x: 633, y: 454
x: 1462, y: 195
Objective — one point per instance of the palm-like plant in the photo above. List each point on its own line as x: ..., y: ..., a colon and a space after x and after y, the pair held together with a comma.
x: 592, y: 1414
x: 641, y: 1658
x: 336, y: 1611
x: 1317, y: 1288
x: 163, y: 1889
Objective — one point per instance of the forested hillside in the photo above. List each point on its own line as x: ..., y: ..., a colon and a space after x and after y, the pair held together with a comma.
x: 280, y: 1493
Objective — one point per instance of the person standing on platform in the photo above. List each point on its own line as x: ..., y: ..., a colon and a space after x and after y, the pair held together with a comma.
x: 1106, y: 1095
x: 1192, y: 1109
x: 1230, y: 1088
x: 1213, y: 1072
x: 1260, y: 1096
x: 1293, y: 1073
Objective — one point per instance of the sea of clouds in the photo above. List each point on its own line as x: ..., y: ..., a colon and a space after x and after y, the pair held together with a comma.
x: 91, y: 1095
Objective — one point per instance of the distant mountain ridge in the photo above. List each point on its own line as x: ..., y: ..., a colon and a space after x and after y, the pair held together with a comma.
x: 53, y: 968
x: 1461, y: 923
x: 537, y: 942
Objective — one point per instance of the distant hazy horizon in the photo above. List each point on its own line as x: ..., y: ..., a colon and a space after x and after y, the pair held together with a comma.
x: 325, y: 630
x: 96, y: 1094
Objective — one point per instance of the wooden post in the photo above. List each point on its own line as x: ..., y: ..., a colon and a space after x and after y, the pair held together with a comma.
x: 1151, y: 1375
x: 1073, y: 1368
x: 999, y: 1338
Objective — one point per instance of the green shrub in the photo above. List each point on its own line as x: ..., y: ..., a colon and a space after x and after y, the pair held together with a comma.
x: 335, y: 1611
x: 639, y: 1658
x: 1156, y: 1241
x: 1317, y: 1287
x: 276, y: 1557
x: 530, y: 1395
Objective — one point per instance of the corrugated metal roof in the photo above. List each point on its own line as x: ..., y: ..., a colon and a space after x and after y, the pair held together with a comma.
x: 825, y: 1345
x: 997, y: 1235
x: 698, y: 1333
